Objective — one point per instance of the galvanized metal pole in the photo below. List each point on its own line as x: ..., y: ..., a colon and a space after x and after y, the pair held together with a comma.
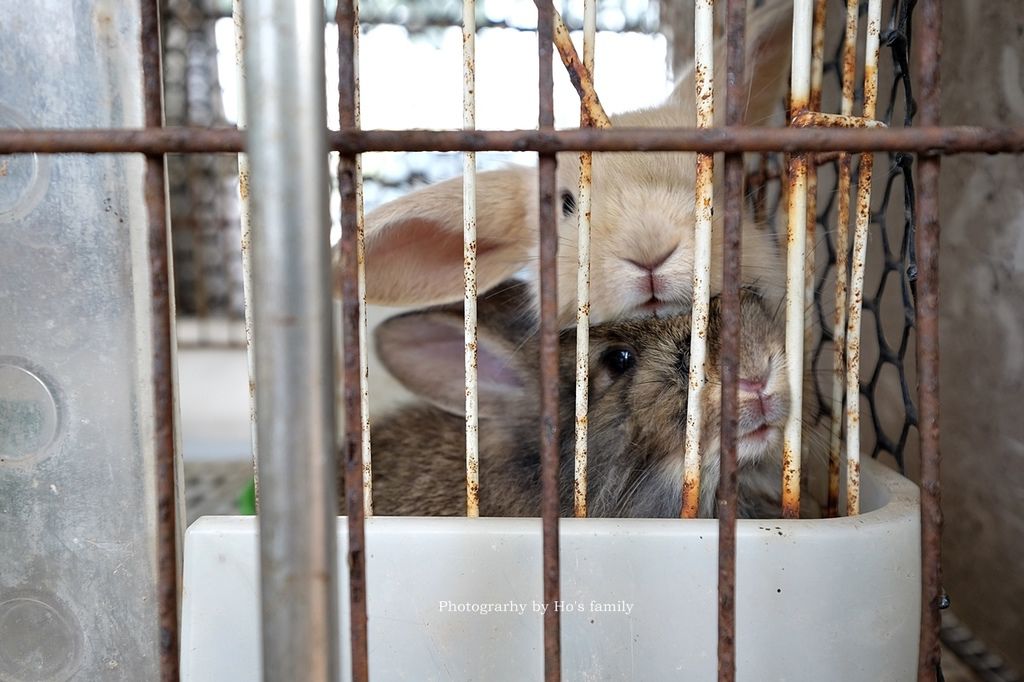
x: 245, y: 217
x: 294, y: 355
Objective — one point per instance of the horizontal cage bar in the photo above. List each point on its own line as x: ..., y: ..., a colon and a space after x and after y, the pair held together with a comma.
x: 931, y: 140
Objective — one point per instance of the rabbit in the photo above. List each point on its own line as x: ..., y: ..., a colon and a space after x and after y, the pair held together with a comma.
x: 642, y: 213
x: 638, y: 393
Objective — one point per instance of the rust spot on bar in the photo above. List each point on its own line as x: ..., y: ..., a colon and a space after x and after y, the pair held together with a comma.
x: 809, y: 119
x: 691, y: 496
x: 243, y: 185
x: 817, y: 53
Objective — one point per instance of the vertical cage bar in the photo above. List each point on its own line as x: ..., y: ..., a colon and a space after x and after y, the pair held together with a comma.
x: 161, y: 307
x: 814, y: 104
x: 860, y: 253
x: 364, y: 370
x: 583, y: 278
x: 469, y: 257
x: 548, y: 350
x: 727, y: 487
x: 929, y: 58
x: 294, y: 356
x: 703, y: 45
x: 796, y: 259
x: 849, y: 63
x: 352, y: 328
x: 246, y: 238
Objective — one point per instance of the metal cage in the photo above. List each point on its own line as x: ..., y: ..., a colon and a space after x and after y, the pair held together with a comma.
x: 290, y: 301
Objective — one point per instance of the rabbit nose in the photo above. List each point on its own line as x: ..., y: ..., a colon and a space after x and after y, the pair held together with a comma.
x: 752, y: 386
x: 652, y: 263
x: 763, y: 404
x: 650, y: 283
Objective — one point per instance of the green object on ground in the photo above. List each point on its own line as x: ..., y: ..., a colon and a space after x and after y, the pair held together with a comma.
x: 247, y: 500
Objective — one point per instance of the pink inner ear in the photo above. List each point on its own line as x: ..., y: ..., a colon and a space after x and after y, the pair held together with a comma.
x: 494, y: 371
x: 413, y: 262
x: 419, y: 238
x: 443, y: 346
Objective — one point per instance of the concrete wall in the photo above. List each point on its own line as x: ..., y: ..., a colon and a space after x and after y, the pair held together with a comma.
x: 982, y: 328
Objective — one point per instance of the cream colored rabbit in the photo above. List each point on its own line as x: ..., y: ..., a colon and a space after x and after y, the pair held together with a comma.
x: 642, y: 214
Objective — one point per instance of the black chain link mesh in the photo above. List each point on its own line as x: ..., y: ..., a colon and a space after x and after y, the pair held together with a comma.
x: 897, y: 261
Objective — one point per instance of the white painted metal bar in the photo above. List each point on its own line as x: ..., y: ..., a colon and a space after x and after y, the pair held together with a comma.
x: 287, y: 111
x: 246, y: 232
x: 364, y: 372
x: 860, y: 249
x: 704, y: 26
x: 469, y: 258
x: 796, y: 256
x: 849, y: 64
x: 583, y: 207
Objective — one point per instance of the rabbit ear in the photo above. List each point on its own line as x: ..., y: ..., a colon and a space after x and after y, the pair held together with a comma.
x: 769, y: 24
x: 769, y: 47
x: 414, y: 244
x: 424, y: 352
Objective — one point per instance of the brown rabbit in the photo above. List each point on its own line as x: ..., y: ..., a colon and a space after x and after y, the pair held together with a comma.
x: 638, y: 387
x: 642, y: 213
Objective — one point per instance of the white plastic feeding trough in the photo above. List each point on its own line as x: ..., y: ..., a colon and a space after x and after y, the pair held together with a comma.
x: 460, y: 599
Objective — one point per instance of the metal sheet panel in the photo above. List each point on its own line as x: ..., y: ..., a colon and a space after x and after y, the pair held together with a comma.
x: 77, y: 476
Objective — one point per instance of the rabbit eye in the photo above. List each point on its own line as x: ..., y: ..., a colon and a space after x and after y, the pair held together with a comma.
x: 568, y: 203
x: 618, y: 361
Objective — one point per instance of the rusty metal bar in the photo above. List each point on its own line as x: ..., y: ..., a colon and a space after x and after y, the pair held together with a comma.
x: 162, y: 330
x: 860, y: 254
x: 294, y: 356
x: 849, y: 60
x: 727, y: 487
x: 348, y: 274
x: 547, y: 168
x: 817, y: 118
x: 731, y: 139
x: 929, y: 57
x: 796, y: 261
x: 581, y: 79
x: 583, y: 207
x: 364, y: 371
x: 704, y: 34
x: 814, y: 104
x: 469, y: 258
